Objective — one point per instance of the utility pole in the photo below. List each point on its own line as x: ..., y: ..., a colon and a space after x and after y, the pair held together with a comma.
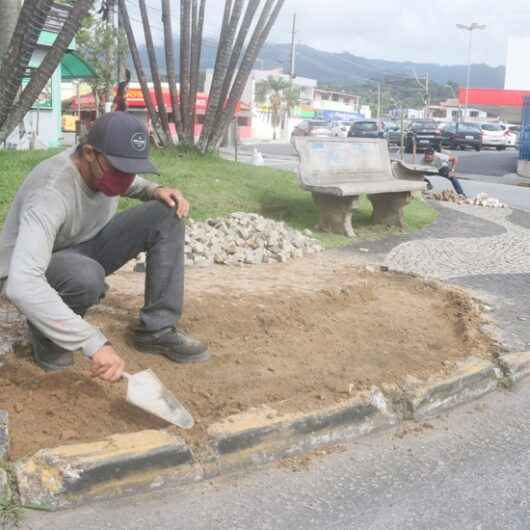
x: 427, y: 96
x: 292, y: 71
x: 378, y: 101
x: 470, y: 29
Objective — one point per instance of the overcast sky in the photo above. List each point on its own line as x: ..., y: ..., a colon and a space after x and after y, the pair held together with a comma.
x: 419, y: 31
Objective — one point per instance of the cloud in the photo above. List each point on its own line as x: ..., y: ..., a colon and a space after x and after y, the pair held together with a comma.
x: 400, y: 30
x: 412, y: 30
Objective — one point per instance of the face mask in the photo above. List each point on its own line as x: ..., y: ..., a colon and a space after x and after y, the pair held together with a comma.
x: 113, y: 182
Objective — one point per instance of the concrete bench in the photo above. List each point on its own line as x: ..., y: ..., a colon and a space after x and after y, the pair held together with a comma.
x: 337, y: 171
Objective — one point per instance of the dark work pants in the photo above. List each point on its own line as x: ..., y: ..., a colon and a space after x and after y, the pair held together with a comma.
x: 78, y: 273
x: 444, y: 172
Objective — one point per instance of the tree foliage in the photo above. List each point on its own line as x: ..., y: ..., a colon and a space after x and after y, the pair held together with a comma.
x: 101, y: 45
x: 281, y: 97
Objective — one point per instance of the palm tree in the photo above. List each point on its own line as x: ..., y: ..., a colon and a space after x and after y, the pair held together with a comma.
x: 266, y: 21
x: 281, y: 97
x: 155, y: 74
x: 8, y: 20
x: 171, y: 69
x: 48, y: 65
x: 153, y: 115
x: 18, y: 54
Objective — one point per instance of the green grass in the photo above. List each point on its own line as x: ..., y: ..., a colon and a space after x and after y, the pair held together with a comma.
x: 216, y: 187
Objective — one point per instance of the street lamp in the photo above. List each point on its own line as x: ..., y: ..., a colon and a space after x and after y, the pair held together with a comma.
x: 470, y: 28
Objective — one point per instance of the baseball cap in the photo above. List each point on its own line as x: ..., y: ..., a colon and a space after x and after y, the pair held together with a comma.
x: 124, y: 142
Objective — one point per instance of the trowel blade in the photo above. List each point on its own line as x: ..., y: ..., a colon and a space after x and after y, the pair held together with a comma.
x: 146, y: 391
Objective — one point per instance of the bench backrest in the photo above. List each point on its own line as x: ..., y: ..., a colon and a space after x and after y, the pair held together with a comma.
x: 326, y: 161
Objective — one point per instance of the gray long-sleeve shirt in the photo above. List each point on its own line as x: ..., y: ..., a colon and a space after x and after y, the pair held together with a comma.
x: 54, y: 209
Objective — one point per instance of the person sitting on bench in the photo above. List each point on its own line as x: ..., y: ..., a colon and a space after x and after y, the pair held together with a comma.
x: 446, y: 165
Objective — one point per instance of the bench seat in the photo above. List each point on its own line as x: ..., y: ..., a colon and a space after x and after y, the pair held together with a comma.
x: 369, y: 188
x: 337, y: 171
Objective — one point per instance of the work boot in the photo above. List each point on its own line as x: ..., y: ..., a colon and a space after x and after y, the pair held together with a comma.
x: 49, y: 356
x: 173, y: 344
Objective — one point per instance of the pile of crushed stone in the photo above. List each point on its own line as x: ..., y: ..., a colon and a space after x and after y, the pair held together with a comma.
x: 482, y: 199
x: 245, y: 238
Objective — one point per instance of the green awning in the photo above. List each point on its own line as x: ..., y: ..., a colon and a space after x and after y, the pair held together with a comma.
x: 73, y: 67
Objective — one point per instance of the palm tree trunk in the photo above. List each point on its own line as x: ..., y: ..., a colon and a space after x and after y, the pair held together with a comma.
x: 8, y: 20
x: 46, y: 69
x: 185, y: 61
x: 153, y: 64
x: 16, y: 59
x: 141, y: 75
x: 224, y: 53
x: 196, y: 48
x: 236, y: 54
x: 170, y: 67
x: 259, y: 37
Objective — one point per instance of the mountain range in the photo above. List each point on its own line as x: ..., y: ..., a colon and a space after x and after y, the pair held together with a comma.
x: 346, y: 70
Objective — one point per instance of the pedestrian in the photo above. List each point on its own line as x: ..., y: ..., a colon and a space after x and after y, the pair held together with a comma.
x: 446, y: 165
x: 120, y: 99
x: 62, y: 237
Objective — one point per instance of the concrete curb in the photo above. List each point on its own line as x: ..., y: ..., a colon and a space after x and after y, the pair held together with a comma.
x: 263, y: 435
x: 515, y: 366
x: 121, y: 464
x: 417, y: 400
x: 4, y: 434
x: 125, y: 464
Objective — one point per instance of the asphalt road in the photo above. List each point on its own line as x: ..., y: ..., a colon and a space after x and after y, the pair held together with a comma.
x: 489, y: 163
x: 466, y: 471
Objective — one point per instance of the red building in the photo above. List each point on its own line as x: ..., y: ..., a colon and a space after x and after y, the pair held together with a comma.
x: 507, y: 104
x: 86, y: 105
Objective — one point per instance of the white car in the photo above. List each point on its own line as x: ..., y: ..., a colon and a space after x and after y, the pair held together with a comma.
x: 340, y: 129
x: 493, y: 135
x: 512, y: 134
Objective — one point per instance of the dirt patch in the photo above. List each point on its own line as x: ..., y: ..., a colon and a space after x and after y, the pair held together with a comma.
x: 278, y: 336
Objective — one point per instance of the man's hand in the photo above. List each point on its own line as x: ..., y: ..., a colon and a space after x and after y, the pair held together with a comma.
x: 107, y: 365
x: 174, y: 199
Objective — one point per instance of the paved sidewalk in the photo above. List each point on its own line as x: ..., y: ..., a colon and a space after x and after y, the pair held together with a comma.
x: 483, y: 249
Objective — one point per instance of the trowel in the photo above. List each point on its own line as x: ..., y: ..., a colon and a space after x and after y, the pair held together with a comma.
x: 146, y: 391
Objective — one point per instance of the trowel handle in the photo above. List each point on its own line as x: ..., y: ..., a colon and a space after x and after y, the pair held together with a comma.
x: 127, y: 376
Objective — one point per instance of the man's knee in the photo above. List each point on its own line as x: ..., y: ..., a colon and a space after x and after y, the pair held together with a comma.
x: 159, y: 215
x: 80, y: 281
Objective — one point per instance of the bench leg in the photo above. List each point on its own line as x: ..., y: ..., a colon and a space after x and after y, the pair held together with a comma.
x: 388, y: 208
x: 335, y: 213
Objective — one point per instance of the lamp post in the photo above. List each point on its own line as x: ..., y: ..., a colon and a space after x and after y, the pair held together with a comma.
x: 470, y: 28
x: 455, y: 96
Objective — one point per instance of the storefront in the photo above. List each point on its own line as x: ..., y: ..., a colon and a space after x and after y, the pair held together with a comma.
x: 42, y: 125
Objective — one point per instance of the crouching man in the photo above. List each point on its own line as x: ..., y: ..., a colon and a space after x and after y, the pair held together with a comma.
x: 62, y: 237
x: 446, y: 165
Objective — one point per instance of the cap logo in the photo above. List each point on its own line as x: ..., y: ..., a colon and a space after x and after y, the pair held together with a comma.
x: 138, y: 142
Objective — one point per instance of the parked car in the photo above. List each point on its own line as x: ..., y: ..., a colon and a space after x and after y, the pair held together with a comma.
x: 340, y: 129
x: 366, y: 129
x: 392, y: 132
x: 426, y: 133
x: 312, y: 128
x: 512, y: 133
x: 493, y: 136
x: 462, y: 135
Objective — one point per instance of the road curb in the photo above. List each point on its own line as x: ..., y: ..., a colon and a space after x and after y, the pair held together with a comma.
x: 263, y: 435
x: 470, y: 379
x: 4, y: 434
x: 124, y: 464
x: 119, y: 465
x: 515, y: 366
